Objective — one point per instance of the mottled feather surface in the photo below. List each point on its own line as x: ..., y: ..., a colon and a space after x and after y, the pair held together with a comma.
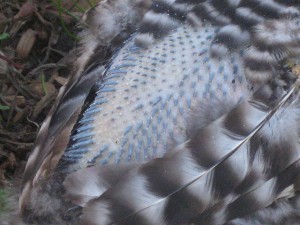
x: 191, y: 63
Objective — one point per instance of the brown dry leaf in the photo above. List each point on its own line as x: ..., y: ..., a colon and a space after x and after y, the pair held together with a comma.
x: 27, y: 9
x: 2, y: 18
x: 26, y: 43
x: 9, y: 163
x: 23, y: 92
x: 19, y: 116
x: 39, y: 88
x: 16, y: 100
x: 296, y: 70
x: 60, y: 80
x: 3, y: 65
x: 44, y: 102
x: 42, y: 34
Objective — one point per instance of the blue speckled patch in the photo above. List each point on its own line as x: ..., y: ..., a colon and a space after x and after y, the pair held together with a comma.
x: 147, y: 95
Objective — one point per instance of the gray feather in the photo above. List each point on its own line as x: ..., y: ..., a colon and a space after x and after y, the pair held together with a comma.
x: 204, y: 63
x: 192, y: 170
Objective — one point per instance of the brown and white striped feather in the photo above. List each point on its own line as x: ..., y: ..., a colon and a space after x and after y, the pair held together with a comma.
x: 238, y: 21
x: 109, y: 24
x: 204, y: 171
x: 284, y: 211
x: 270, y: 27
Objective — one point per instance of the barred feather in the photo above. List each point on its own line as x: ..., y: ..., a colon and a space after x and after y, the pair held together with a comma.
x: 60, y: 120
x: 194, y: 173
x: 181, y: 77
x: 99, y: 40
x: 84, y: 185
x: 284, y: 212
x: 242, y: 13
x: 275, y: 41
x: 270, y: 27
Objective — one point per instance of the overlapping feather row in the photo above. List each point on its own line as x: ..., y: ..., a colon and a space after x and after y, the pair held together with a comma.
x: 236, y: 165
x: 223, y: 167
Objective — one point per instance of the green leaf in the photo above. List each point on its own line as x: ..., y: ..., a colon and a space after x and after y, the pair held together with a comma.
x: 4, y: 107
x: 92, y: 4
x: 4, y: 36
x: 3, y: 198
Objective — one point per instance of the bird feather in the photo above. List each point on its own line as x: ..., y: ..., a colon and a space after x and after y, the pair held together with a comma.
x: 187, y: 173
x: 242, y: 27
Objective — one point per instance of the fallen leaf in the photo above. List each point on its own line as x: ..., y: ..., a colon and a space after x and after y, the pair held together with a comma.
x: 27, y: 9
x: 26, y: 43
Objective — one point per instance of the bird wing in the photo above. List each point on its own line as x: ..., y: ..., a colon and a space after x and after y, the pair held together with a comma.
x: 259, y: 25
x: 98, y: 44
x: 232, y: 167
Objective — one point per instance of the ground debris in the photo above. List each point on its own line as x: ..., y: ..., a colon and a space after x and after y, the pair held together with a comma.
x: 35, y: 40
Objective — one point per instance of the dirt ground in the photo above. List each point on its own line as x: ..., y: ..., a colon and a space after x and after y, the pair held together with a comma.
x: 36, y: 42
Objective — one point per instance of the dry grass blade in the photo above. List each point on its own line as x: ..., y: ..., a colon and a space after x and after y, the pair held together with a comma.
x: 33, y: 66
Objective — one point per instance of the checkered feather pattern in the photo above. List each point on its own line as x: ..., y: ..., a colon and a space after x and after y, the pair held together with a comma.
x: 223, y: 164
x: 189, y: 117
x: 262, y: 24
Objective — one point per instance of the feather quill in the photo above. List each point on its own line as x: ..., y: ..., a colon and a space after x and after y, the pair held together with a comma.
x: 62, y: 118
x: 253, y: 200
x: 85, y: 185
x: 188, y: 172
x: 224, y: 143
x: 102, y: 37
x: 284, y: 211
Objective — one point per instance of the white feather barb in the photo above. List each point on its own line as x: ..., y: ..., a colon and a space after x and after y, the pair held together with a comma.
x: 144, y: 195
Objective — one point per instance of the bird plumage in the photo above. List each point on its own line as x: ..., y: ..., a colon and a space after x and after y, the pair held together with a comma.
x: 196, y: 80
x: 216, y: 166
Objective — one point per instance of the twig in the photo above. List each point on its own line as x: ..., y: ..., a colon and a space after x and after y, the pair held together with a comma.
x: 4, y: 140
x: 11, y: 62
x: 41, y: 19
x: 42, y: 68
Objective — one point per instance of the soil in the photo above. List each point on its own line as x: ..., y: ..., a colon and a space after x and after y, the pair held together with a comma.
x: 36, y: 42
